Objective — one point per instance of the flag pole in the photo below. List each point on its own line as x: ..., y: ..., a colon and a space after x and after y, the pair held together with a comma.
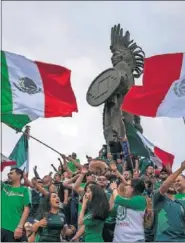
x: 128, y: 145
x: 27, y: 132
x: 183, y: 119
x: 39, y: 141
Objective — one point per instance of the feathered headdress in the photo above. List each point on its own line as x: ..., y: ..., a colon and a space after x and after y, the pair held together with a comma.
x: 124, y: 44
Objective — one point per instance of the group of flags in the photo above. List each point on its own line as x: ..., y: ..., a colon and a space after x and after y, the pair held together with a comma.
x: 32, y: 89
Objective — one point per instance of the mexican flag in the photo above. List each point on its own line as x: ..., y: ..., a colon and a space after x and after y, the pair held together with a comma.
x: 32, y: 89
x: 163, y: 90
x: 142, y: 147
x: 5, y: 161
x: 20, y: 154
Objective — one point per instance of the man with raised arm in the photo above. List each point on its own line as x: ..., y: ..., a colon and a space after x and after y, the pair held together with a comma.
x: 169, y: 209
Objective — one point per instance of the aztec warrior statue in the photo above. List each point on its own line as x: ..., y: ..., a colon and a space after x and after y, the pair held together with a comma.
x: 111, y: 86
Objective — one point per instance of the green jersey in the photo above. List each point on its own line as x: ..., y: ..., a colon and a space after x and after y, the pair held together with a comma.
x: 111, y: 219
x: 157, y: 185
x: 130, y: 219
x: 13, y: 201
x: 169, y: 219
x: 93, y: 228
x: 180, y: 196
x: 72, y: 167
x: 120, y: 168
x: 52, y: 232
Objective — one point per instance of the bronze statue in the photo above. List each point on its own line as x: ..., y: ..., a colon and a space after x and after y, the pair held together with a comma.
x: 111, y: 86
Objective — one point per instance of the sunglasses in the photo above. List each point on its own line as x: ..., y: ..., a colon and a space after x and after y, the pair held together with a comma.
x: 102, y: 179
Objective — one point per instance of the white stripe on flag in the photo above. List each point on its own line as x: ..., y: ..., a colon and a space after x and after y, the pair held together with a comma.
x: 156, y: 160
x: 183, y: 67
x: 24, y: 103
x: 173, y: 104
x: 146, y: 142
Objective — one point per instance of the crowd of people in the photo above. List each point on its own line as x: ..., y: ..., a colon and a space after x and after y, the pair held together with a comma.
x: 117, y: 197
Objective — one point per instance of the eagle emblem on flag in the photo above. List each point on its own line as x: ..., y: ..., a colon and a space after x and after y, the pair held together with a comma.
x: 179, y: 87
x: 27, y: 85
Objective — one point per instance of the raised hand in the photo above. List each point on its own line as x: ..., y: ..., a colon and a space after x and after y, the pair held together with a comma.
x: 183, y: 165
x: 84, y: 170
x: 43, y: 222
x: 113, y: 166
x: 113, y: 186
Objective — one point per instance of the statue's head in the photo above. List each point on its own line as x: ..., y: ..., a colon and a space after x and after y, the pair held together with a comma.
x: 124, y: 49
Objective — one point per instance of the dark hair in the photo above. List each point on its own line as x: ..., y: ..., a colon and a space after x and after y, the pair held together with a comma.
x: 99, y: 205
x: 18, y: 171
x: 57, y: 174
x: 89, y: 183
x: 44, y: 206
x: 138, y: 185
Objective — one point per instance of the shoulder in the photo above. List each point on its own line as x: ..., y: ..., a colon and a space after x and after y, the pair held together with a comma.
x: 5, y: 185
x: 26, y: 189
x: 157, y: 196
x: 87, y: 216
x: 61, y: 216
x: 140, y: 199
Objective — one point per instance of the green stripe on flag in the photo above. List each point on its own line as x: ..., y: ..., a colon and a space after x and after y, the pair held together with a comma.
x: 15, y: 121
x: 136, y: 145
x: 6, y: 95
x: 20, y: 153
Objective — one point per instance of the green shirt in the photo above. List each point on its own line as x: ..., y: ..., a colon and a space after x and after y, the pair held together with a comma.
x: 111, y: 219
x: 169, y: 219
x: 93, y: 228
x: 52, y: 232
x: 130, y: 219
x: 180, y: 196
x: 72, y: 167
x: 137, y: 203
x: 13, y: 201
x: 120, y: 168
x: 157, y: 185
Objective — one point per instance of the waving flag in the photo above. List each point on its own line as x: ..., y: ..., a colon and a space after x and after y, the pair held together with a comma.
x: 5, y: 161
x: 163, y: 90
x: 141, y: 146
x: 20, y: 154
x: 32, y: 89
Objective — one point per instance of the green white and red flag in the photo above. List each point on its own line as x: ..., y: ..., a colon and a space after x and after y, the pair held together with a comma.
x: 32, y: 89
x: 163, y: 90
x: 5, y: 162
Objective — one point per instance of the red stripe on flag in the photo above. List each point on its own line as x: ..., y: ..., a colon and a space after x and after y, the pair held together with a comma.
x: 164, y: 156
x: 139, y: 102
x: 59, y: 96
x: 159, y: 74
x: 7, y: 163
x: 162, y: 70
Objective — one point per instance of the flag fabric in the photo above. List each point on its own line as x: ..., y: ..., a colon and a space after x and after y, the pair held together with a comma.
x: 20, y: 154
x: 5, y: 161
x: 163, y: 90
x: 32, y: 89
x: 141, y: 146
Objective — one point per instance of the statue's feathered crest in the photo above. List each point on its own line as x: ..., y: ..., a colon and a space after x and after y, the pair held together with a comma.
x: 123, y: 43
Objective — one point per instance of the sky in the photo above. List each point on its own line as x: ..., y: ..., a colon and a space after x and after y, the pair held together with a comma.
x: 77, y: 35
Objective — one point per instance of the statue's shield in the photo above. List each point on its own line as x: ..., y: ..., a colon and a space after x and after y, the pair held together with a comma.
x: 103, y: 87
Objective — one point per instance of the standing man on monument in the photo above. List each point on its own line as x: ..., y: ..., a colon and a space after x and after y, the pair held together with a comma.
x: 15, y: 207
